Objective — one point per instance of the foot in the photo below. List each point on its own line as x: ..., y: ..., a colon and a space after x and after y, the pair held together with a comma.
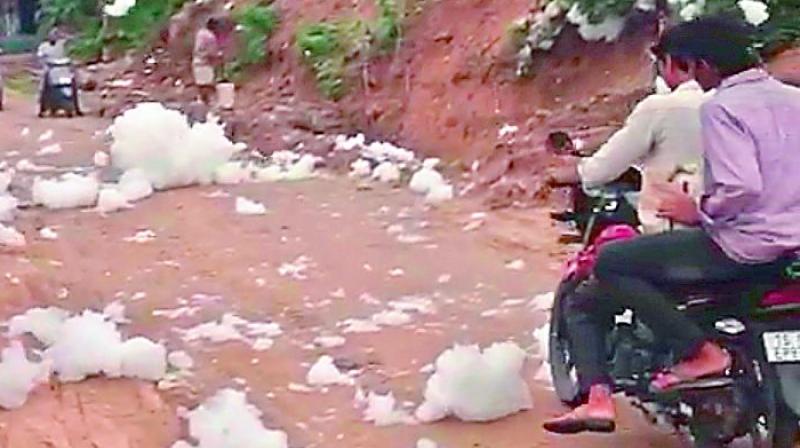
x: 710, y: 360
x: 569, y: 238
x: 562, y: 216
x: 598, y: 415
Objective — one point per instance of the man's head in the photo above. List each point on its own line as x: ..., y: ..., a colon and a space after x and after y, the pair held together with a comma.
x: 708, y: 49
x: 52, y: 36
x: 214, y: 24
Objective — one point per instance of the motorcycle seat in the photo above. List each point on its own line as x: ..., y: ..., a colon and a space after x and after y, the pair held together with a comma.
x: 786, y: 295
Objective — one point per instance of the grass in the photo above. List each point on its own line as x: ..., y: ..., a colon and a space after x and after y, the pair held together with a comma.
x: 22, y: 84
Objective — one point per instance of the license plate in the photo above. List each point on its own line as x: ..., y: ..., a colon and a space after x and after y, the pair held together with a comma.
x: 782, y: 346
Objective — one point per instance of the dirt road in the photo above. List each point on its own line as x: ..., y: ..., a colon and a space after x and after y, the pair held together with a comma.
x: 364, y: 248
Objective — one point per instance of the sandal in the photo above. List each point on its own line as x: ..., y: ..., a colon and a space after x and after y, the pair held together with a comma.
x: 570, y: 424
x: 672, y: 380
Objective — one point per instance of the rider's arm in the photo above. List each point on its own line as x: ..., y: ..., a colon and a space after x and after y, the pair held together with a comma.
x: 624, y: 149
x: 733, y: 178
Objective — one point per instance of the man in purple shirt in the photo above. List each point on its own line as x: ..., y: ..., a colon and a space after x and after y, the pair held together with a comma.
x: 748, y: 219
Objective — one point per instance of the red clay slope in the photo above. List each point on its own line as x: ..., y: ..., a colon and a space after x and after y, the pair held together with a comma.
x: 450, y: 87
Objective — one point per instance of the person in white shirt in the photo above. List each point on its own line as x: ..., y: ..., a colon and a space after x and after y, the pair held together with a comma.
x: 51, y: 49
x: 661, y: 138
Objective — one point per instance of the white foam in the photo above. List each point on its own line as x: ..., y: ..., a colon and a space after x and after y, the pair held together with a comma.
x: 20, y: 376
x: 359, y: 326
x: 6, y: 177
x: 426, y: 443
x: 134, y: 185
x: 386, y: 172
x: 755, y: 12
x: 88, y: 344
x: 426, y: 178
x: 325, y: 373
x: 101, y: 159
x: 440, y: 193
x: 180, y: 360
x: 232, y: 173
x: 11, y: 237
x: 69, y: 191
x: 49, y: 150
x: 246, y: 206
x: 42, y: 323
x: 330, y: 341
x: 609, y: 29
x: 227, y: 420
x: 475, y: 385
x: 111, y: 200
x: 119, y: 8
x: 143, y: 359
x: 382, y: 410
x: 516, y: 265
x: 391, y: 318
x: 166, y: 148
x: 360, y: 168
x: 47, y: 233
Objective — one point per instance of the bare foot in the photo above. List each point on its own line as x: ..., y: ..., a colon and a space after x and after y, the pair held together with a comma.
x: 710, y: 360
x: 598, y: 415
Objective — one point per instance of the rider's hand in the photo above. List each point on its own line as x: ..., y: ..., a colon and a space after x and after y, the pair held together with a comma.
x: 564, y: 175
x: 676, y: 205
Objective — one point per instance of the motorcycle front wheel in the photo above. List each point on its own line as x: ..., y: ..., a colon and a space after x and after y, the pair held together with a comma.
x: 564, y: 372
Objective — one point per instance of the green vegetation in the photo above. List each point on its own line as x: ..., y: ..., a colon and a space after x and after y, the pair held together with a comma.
x: 386, y: 30
x: 135, y: 30
x: 256, y: 23
x: 330, y: 47
x: 18, y: 44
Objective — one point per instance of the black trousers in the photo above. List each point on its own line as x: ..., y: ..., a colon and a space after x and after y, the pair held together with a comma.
x: 634, y: 275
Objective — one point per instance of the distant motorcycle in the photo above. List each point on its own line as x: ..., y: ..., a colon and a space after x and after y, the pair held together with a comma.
x: 757, y: 400
x: 59, y: 89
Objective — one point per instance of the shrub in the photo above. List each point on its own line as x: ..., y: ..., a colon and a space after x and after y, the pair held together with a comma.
x: 328, y: 47
x: 255, y: 23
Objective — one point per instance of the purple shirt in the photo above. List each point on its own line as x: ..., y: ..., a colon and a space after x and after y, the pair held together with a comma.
x: 751, y: 140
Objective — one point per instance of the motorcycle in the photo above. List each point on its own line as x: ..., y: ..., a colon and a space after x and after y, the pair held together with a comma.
x: 59, y: 89
x: 756, y: 400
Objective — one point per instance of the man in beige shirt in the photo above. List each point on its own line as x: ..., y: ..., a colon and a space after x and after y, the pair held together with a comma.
x: 661, y: 137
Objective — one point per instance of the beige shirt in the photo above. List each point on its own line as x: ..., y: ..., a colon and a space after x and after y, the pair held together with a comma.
x: 206, y: 48
x: 662, y: 138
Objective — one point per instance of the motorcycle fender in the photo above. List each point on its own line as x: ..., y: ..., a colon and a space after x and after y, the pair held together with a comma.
x: 789, y: 379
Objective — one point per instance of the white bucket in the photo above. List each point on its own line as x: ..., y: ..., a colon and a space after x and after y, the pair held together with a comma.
x: 226, y: 95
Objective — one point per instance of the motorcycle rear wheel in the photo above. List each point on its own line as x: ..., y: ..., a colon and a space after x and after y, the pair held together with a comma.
x: 777, y: 427
x: 773, y: 425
